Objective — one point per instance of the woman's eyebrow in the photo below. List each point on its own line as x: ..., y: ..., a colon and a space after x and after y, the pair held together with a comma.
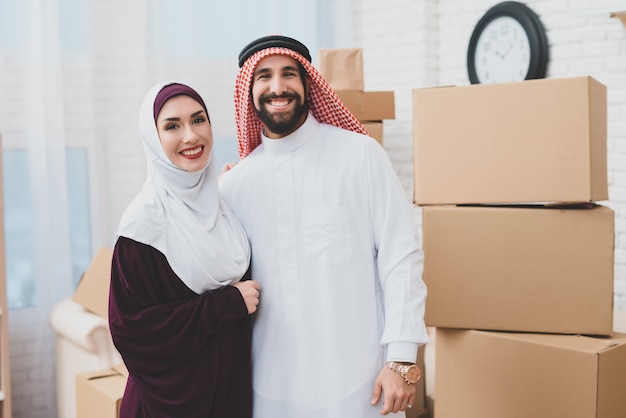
x: 176, y: 118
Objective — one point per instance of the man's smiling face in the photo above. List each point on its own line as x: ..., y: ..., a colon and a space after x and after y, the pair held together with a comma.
x: 278, y: 94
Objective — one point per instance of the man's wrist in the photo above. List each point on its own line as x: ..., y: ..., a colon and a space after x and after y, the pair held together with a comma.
x: 407, y: 370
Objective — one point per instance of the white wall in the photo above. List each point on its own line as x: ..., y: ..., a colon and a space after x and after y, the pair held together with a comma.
x: 407, y: 44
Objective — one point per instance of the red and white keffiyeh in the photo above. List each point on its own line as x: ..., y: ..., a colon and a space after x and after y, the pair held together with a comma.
x: 324, y: 103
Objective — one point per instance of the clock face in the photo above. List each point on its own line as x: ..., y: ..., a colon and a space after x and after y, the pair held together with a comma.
x: 508, y: 44
x: 502, y: 52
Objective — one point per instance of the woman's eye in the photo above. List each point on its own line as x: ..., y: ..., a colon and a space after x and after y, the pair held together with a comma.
x: 199, y: 119
x: 171, y: 126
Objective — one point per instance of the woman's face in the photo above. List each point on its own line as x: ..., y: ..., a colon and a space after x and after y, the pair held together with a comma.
x: 185, y: 133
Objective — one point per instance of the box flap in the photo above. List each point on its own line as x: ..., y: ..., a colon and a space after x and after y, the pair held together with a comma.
x: 92, y: 291
x: 120, y: 368
x: 579, y: 343
x: 99, y: 393
x: 97, y: 374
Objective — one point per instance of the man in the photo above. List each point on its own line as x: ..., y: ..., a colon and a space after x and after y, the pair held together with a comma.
x: 334, y: 246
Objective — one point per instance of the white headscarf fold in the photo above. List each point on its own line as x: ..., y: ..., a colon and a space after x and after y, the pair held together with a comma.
x: 181, y: 214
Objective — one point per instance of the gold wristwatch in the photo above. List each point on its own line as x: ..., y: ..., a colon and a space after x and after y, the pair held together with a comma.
x: 410, y: 372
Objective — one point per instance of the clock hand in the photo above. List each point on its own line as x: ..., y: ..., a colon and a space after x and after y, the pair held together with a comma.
x: 509, y: 49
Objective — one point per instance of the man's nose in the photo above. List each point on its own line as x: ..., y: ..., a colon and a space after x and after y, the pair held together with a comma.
x: 277, y: 86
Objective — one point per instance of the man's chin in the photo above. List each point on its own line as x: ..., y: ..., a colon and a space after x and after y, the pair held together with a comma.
x: 280, y: 122
x: 282, y: 119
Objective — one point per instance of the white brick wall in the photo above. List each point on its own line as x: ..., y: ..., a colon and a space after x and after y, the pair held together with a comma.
x: 407, y: 44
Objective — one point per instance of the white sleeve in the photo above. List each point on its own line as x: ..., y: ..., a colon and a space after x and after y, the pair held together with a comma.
x: 400, y: 260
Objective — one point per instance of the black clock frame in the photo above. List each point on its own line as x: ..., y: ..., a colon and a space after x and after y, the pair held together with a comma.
x: 532, y: 26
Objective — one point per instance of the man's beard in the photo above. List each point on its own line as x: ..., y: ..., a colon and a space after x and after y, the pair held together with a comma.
x: 282, y: 123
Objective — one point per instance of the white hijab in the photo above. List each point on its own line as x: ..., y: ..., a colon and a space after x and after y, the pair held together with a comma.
x: 182, y: 214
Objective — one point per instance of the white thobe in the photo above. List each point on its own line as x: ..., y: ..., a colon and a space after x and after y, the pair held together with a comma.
x: 335, y: 248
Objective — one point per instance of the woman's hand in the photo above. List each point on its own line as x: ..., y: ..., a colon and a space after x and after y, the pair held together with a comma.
x: 250, y: 291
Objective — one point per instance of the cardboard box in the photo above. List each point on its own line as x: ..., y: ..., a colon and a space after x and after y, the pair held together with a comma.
x: 529, y: 269
x: 99, y: 393
x: 531, y: 141
x: 342, y: 68
x: 482, y: 374
x: 375, y: 129
x: 92, y: 291
x: 369, y: 105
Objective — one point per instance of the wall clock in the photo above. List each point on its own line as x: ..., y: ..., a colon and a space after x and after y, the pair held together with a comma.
x: 509, y: 43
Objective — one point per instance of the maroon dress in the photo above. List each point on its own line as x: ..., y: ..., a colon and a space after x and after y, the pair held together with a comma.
x: 188, y: 355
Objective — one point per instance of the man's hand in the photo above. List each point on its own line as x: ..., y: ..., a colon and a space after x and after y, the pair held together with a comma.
x: 250, y: 291
x: 227, y: 167
x: 398, y: 395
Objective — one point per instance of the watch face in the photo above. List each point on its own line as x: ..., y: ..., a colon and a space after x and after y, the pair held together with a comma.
x: 502, y: 52
x: 413, y: 374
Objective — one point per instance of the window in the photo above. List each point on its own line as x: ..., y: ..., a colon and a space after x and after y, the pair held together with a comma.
x: 20, y: 236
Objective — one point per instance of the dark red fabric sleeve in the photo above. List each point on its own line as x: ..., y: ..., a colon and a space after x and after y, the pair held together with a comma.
x: 172, y: 339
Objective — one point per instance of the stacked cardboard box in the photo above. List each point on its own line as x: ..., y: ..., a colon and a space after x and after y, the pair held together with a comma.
x: 92, y: 291
x: 343, y: 70
x: 518, y: 253
x: 98, y: 392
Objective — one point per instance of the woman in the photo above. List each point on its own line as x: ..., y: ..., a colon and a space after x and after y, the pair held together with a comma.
x: 178, y: 311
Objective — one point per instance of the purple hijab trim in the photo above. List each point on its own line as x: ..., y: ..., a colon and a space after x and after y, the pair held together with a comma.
x: 172, y: 90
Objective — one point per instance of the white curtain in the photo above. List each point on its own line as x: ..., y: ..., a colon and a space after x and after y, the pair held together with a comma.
x: 43, y: 137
